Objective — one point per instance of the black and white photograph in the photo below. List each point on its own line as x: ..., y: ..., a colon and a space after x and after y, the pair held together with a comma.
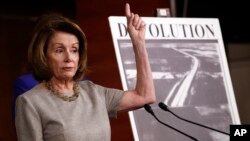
x: 191, y: 78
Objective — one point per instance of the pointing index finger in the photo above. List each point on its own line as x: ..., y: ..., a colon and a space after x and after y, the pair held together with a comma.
x: 127, y: 10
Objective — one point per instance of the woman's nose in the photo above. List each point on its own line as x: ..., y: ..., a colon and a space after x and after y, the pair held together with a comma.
x: 68, y: 57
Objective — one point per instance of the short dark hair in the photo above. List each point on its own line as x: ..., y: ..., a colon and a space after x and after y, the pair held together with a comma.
x: 45, y: 27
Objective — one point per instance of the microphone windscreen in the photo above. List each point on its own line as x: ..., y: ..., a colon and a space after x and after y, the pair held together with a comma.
x: 148, y: 108
x: 163, y: 106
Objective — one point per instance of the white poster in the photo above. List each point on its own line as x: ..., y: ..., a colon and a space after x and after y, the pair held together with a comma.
x: 190, y: 73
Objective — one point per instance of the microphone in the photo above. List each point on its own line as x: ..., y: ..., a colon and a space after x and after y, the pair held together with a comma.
x: 165, y: 108
x: 149, y: 110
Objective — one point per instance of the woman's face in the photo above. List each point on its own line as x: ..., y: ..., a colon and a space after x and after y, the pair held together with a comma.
x: 63, y: 55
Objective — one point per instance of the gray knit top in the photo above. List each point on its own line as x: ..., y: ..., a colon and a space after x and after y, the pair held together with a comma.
x: 41, y: 116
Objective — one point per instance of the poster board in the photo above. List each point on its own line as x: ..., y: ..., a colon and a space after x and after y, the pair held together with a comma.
x: 191, y: 75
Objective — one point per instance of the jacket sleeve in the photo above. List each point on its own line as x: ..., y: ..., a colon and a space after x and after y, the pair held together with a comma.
x: 27, y: 121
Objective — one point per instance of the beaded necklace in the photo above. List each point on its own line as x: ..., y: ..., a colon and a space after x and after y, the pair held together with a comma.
x: 61, y: 95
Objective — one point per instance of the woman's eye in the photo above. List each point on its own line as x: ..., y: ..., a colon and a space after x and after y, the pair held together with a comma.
x: 59, y: 50
x: 75, y: 50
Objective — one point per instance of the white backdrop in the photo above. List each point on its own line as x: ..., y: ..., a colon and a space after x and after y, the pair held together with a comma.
x: 190, y: 73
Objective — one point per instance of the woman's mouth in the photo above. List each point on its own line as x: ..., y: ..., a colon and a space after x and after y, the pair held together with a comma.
x: 67, y: 68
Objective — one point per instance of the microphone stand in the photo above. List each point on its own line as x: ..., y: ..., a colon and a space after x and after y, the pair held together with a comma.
x: 165, y: 108
x: 149, y: 110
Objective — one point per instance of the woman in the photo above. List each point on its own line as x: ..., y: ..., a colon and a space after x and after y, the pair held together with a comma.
x: 62, y: 108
